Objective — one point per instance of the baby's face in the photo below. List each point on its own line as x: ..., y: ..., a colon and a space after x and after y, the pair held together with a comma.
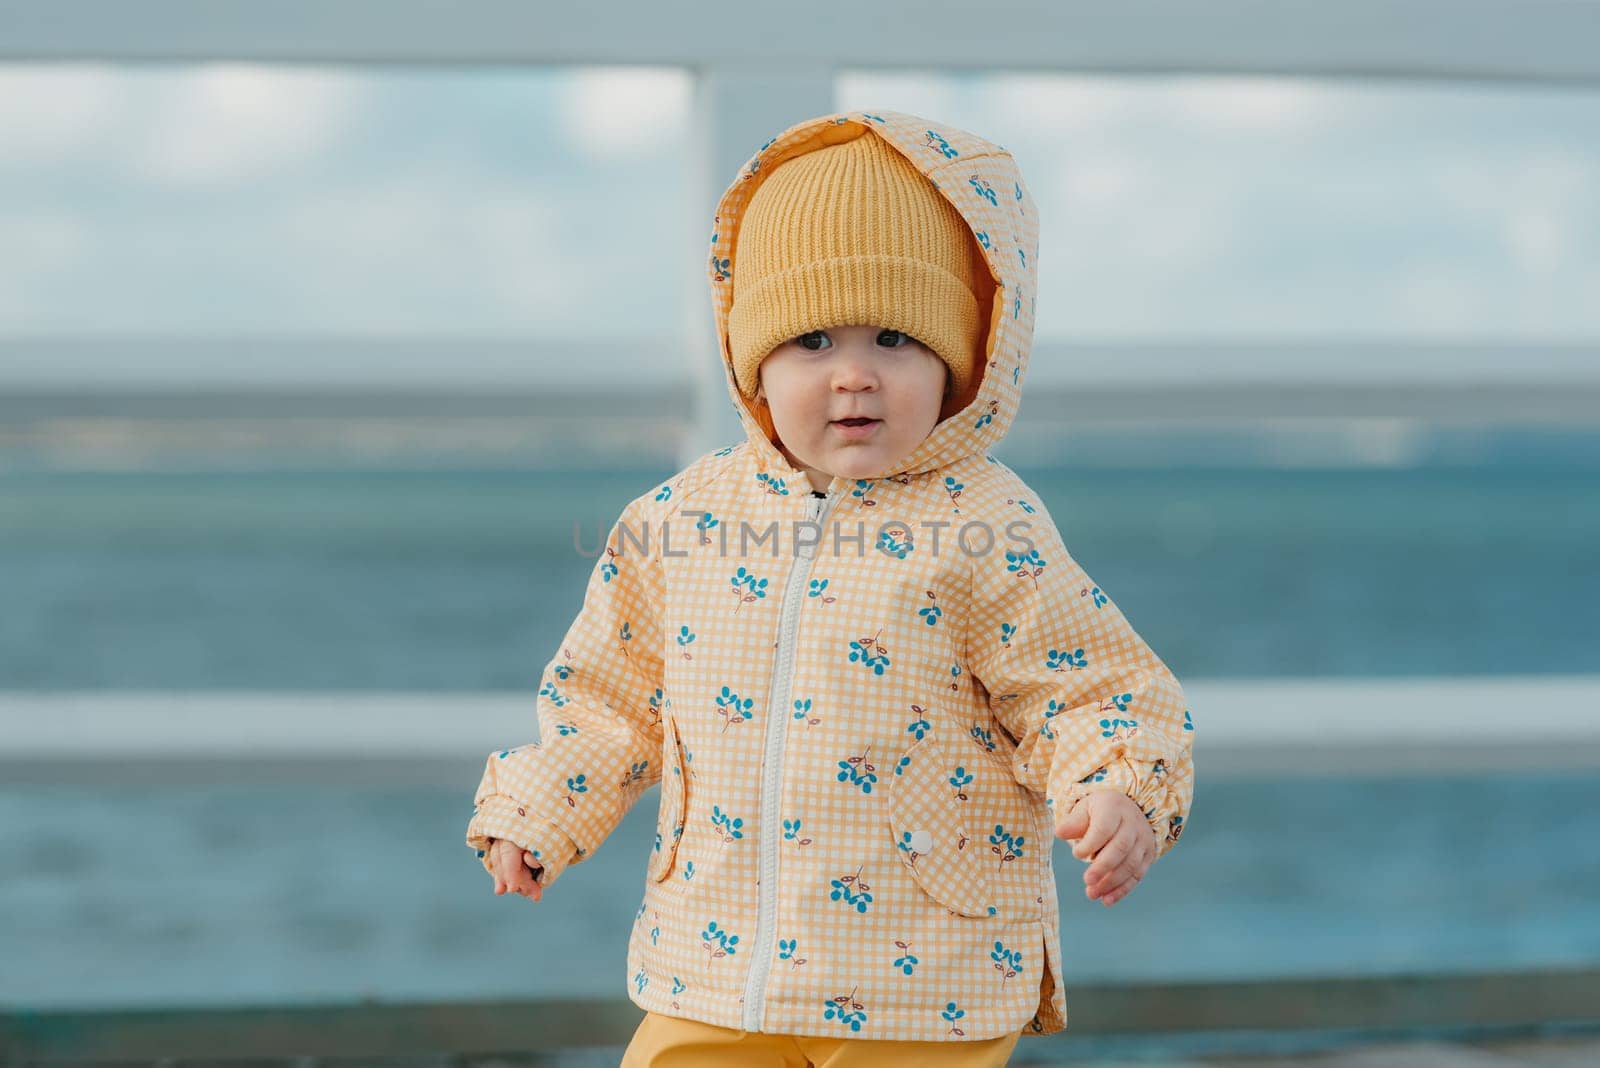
x: 815, y: 380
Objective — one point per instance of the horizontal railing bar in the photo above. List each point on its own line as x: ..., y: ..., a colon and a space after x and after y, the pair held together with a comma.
x: 1244, y: 727
x: 1464, y: 1004
x: 1541, y: 41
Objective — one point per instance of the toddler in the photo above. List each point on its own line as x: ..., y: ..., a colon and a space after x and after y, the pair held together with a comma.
x: 852, y: 648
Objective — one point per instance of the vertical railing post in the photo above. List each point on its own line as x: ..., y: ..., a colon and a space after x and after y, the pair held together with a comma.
x: 735, y: 109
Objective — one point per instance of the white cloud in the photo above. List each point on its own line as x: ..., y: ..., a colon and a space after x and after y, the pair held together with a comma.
x: 368, y: 224
x: 436, y: 230
x: 40, y: 247
x: 1250, y: 104
x: 1070, y: 104
x: 1128, y: 212
x: 1440, y: 300
x: 931, y: 96
x: 53, y: 114
x: 1102, y: 180
x: 1472, y: 184
x: 231, y: 121
x: 1551, y: 198
x: 1081, y: 104
x: 1537, y: 238
x: 618, y: 112
x: 41, y: 241
x: 516, y: 233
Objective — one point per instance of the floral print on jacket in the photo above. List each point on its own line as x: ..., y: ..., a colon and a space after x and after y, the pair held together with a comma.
x: 863, y: 708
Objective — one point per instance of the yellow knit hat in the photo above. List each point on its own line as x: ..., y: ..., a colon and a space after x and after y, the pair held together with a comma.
x: 853, y: 233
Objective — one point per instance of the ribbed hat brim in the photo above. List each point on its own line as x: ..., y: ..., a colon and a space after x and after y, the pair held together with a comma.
x: 894, y: 292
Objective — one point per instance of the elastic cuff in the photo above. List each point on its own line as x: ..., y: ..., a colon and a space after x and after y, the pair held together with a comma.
x: 1119, y: 777
x: 502, y: 817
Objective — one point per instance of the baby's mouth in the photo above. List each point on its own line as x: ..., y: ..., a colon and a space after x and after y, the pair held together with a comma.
x: 855, y: 422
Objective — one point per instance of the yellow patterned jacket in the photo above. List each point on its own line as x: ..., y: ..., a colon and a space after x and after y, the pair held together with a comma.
x: 862, y: 707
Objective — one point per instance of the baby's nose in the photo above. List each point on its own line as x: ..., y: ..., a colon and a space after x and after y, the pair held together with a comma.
x: 855, y: 373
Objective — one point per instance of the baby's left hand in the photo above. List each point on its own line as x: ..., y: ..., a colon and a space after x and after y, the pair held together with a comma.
x: 1116, y: 837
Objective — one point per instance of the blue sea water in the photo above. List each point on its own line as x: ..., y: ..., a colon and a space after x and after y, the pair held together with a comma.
x: 172, y: 894
x: 466, y: 578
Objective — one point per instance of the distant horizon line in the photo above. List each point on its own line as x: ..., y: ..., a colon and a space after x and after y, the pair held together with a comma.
x: 133, y: 363
x: 1471, y: 403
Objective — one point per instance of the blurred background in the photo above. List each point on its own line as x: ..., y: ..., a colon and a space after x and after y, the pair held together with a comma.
x: 330, y: 337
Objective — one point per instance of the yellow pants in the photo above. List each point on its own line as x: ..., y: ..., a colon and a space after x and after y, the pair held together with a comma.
x: 668, y: 1042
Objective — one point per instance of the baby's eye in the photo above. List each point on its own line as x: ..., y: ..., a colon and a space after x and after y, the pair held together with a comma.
x: 886, y: 337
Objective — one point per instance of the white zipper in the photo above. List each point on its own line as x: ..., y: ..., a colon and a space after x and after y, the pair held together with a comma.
x: 772, y: 775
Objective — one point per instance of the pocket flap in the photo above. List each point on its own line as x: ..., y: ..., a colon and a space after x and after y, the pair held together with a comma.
x: 674, y: 791
x: 931, y: 832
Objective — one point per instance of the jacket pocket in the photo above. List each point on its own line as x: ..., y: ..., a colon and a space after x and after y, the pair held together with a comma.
x: 674, y: 789
x: 931, y: 832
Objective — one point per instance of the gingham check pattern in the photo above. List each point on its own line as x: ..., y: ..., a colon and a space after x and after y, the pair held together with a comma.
x: 942, y: 701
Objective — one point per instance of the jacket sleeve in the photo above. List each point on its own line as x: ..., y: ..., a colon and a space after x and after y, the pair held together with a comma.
x: 1090, y: 705
x: 599, y: 715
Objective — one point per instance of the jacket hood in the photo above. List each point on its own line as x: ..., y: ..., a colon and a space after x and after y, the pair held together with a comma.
x: 983, y: 183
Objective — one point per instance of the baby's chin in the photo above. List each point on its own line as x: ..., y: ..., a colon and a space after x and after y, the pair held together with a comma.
x: 862, y: 462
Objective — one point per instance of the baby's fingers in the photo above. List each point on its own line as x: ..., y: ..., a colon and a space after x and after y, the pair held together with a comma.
x: 525, y: 879
x: 531, y: 870
x: 527, y: 887
x: 1111, y: 895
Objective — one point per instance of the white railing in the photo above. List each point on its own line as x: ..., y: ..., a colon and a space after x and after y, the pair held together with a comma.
x: 1278, y: 728
x: 753, y: 69
x: 1522, y: 40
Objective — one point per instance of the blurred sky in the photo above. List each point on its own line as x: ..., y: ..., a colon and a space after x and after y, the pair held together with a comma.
x: 554, y: 203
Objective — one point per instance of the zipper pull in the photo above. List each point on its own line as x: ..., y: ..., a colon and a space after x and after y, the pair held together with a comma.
x: 814, y: 509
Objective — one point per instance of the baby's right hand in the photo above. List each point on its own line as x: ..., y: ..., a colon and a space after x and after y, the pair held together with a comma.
x: 515, y: 869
